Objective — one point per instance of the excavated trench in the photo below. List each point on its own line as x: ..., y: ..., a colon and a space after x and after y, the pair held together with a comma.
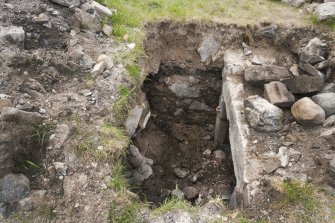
x: 180, y: 137
x: 195, y: 82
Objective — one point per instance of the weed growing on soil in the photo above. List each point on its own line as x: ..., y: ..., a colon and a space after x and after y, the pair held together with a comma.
x: 124, y: 211
x: 122, y: 105
x: 134, y: 71
x: 47, y: 212
x: 114, y: 141
x: 118, y: 181
x: 42, y: 132
x: 302, y: 194
x: 330, y: 22
x: 173, y: 204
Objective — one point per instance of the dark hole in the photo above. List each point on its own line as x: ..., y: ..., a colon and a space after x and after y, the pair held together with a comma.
x: 179, y: 137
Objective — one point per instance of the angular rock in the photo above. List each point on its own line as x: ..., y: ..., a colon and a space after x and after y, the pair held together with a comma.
x: 269, y: 31
x: 246, y: 49
x: 271, y: 163
x: 136, y: 159
x: 325, y: 11
x: 60, y: 168
x: 42, y: 18
x: 61, y: 134
x: 107, y: 60
x: 295, y: 3
x: 311, y: 70
x: 265, y: 74
x: 5, y: 103
x: 329, y: 121
x: 107, y: 30
x: 312, y: 59
x: 102, y: 10
x: 329, y: 135
x: 219, y: 155
x: 295, y: 70
x: 178, y: 193
x: 12, y: 33
x: 61, y: 66
x: 35, y: 199
x: 315, y: 47
x: 9, y: 114
x: 98, y: 68
x: 180, y: 173
x: 198, y: 106
x: 304, y: 84
x: 332, y: 165
x: 283, y: 156
x: 307, y: 112
x: 262, y: 115
x: 67, y: 3
x: 277, y: 93
x: 208, y: 48
x: 191, y: 193
x: 326, y: 101
x: 87, y: 21
x: 13, y: 187
x: 322, y: 65
x: 132, y: 120
x: 184, y: 90
x: 329, y: 88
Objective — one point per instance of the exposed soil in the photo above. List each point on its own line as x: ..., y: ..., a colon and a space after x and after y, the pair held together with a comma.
x: 178, y: 136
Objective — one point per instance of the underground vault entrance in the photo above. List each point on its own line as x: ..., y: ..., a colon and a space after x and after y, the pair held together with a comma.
x: 189, y: 160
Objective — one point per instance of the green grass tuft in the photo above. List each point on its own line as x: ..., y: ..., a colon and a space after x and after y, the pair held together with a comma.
x: 118, y: 182
x: 134, y: 71
x: 173, y: 204
x: 122, y: 105
x: 301, y: 194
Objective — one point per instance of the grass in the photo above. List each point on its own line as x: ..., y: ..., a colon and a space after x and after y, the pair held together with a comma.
x: 330, y: 22
x: 134, y: 71
x: 118, y: 182
x: 171, y: 205
x: 124, y: 211
x: 42, y: 132
x: 122, y: 105
x: 300, y: 194
x: 111, y: 144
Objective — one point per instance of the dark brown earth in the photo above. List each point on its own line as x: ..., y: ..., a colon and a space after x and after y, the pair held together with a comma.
x: 179, y: 140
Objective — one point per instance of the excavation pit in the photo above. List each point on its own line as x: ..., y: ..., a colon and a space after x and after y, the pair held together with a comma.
x: 196, y: 126
x: 180, y: 137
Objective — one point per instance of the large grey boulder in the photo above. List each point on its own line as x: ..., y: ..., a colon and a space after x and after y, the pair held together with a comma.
x: 329, y: 88
x: 265, y: 74
x: 325, y: 11
x: 87, y: 21
x: 142, y: 165
x: 12, y: 33
x: 295, y: 3
x: 10, y: 114
x: 304, y: 84
x: 277, y: 93
x: 184, y: 90
x: 311, y: 70
x: 61, y: 134
x: 208, y: 47
x: 326, y: 101
x: 13, y: 187
x: 67, y: 3
x: 262, y: 115
x: 307, y: 112
x: 315, y: 47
